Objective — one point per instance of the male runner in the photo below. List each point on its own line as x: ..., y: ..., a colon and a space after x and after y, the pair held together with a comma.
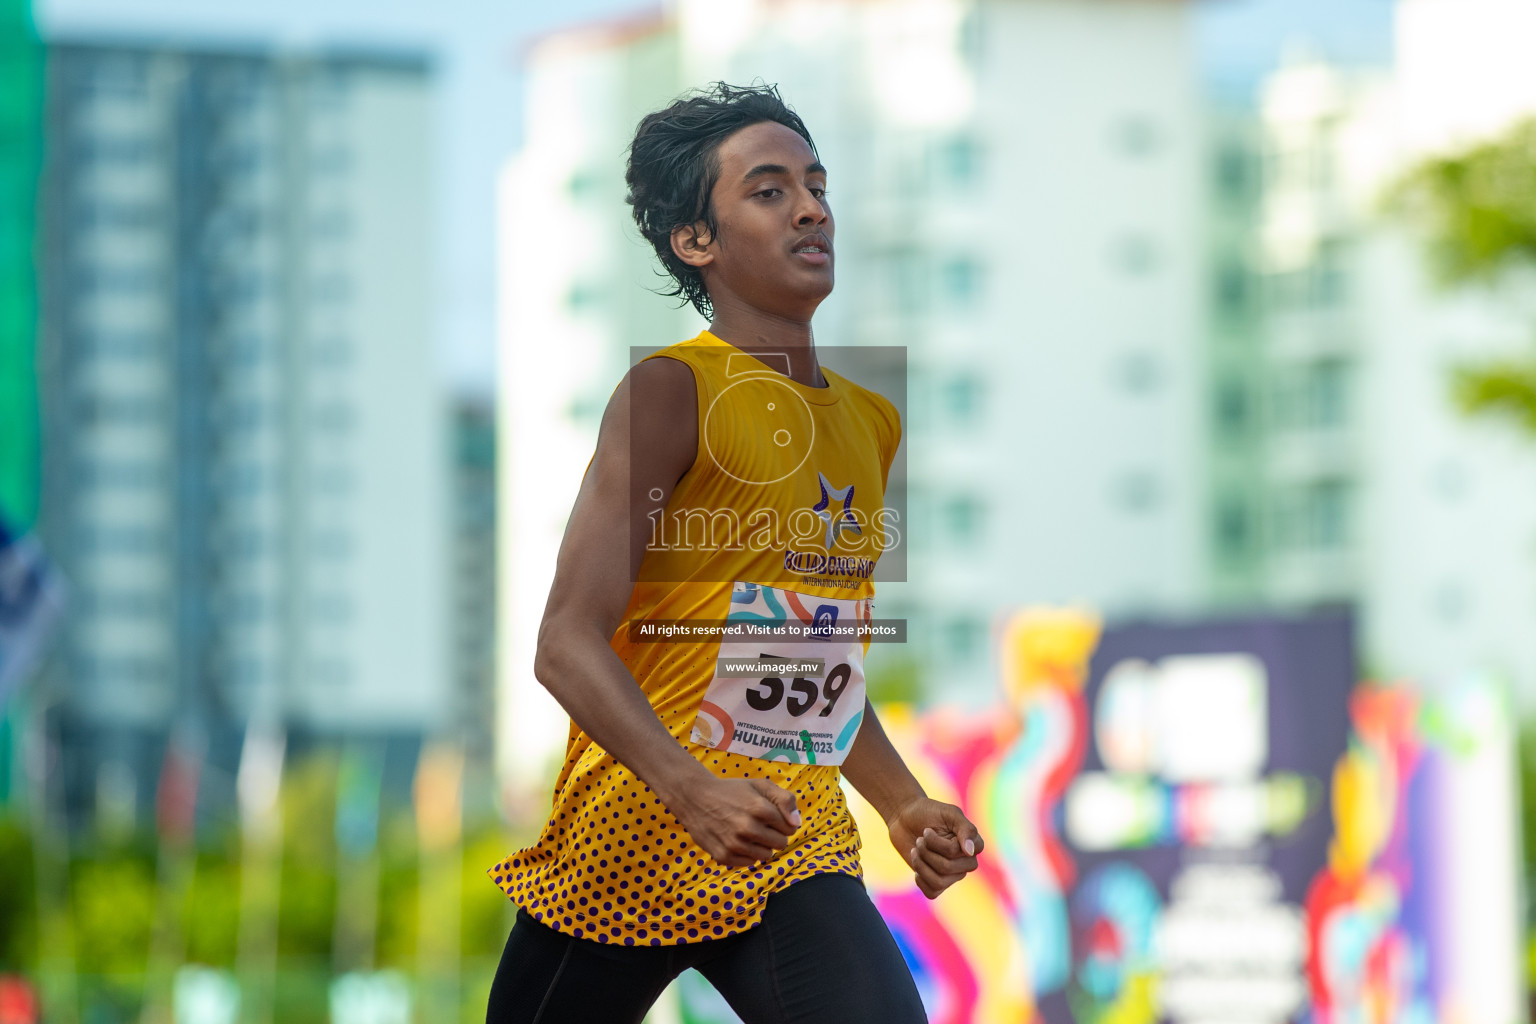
x: 698, y: 819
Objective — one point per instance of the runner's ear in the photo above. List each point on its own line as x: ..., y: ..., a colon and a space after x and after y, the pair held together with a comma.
x: 693, y: 244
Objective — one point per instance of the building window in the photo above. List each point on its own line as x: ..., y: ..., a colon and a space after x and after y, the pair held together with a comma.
x: 583, y: 297
x: 138, y: 605
x: 121, y: 344
x: 1136, y: 254
x: 333, y: 416
x: 332, y: 544
x: 960, y: 397
x: 1328, y: 395
x: 962, y: 282
x: 963, y: 640
x: 104, y: 473
x: 962, y: 520
x: 1137, y: 492
x: 1314, y: 517
x: 331, y: 352
x: 245, y: 607
x: 1328, y: 275
x: 330, y: 672
x: 130, y: 279
x: 334, y: 287
x: 243, y: 479
x: 1233, y: 173
x: 242, y: 416
x: 1234, y: 527
x: 1232, y: 407
x: 331, y: 225
x: 123, y: 670
x: 124, y: 410
x: 245, y: 544
x: 1451, y: 602
x: 331, y: 480
x: 1138, y: 372
x: 1136, y: 135
x: 244, y: 351
x: 123, y: 75
x: 122, y: 540
x: 585, y: 184
x: 1232, y: 288
x: 333, y: 608
x: 1329, y: 515
x: 909, y: 282
x: 1289, y: 289
x: 1450, y: 479
x: 332, y: 159
x: 958, y: 160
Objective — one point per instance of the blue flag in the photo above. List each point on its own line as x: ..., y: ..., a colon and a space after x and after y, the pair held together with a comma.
x: 31, y: 602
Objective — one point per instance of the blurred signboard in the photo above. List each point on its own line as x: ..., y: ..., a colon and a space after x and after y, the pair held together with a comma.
x: 1196, y: 821
x: 1212, y: 822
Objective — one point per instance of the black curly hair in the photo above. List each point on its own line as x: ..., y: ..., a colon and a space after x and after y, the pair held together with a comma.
x: 674, y: 164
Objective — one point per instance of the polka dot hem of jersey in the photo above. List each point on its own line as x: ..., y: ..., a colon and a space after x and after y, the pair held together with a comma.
x: 616, y: 867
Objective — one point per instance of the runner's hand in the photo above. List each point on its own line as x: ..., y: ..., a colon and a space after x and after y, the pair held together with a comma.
x: 938, y: 841
x: 739, y: 822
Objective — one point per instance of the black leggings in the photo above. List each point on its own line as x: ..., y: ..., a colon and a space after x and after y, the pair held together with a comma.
x: 821, y: 953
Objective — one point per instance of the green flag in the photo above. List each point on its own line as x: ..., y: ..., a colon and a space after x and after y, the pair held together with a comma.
x: 21, y: 105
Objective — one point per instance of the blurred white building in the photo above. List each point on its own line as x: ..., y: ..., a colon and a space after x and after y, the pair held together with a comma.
x: 246, y: 448
x: 1380, y: 492
x: 1019, y: 203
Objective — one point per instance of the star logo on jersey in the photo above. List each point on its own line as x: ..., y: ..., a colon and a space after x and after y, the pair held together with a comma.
x: 837, y: 519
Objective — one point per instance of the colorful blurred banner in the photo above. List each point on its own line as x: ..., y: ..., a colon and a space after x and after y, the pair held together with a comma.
x: 21, y: 149
x: 31, y: 600
x: 1164, y: 842
x: 1416, y: 916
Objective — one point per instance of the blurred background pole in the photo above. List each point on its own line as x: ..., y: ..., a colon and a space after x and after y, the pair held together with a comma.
x: 50, y: 850
x: 175, y: 864
x: 439, y: 826
x: 259, y: 788
x: 359, y: 783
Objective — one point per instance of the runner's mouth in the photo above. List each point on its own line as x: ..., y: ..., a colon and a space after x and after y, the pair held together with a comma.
x: 816, y: 250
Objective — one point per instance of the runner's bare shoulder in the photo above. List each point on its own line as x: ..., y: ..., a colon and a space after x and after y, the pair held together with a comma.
x: 660, y: 399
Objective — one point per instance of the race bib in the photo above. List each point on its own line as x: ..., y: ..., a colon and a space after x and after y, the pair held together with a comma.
x: 792, y: 688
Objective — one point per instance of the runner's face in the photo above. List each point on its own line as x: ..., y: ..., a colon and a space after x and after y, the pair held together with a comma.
x: 774, y: 245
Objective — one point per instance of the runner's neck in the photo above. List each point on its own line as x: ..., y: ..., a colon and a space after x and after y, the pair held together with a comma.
x: 758, y: 333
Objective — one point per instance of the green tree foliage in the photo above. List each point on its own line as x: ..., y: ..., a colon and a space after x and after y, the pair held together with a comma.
x: 1478, y: 208
x: 114, y: 898
x: 18, y: 899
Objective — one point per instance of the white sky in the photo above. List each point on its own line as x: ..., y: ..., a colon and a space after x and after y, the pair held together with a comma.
x: 477, y: 45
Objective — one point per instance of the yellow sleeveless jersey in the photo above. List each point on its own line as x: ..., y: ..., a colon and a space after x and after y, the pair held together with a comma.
x: 780, y: 520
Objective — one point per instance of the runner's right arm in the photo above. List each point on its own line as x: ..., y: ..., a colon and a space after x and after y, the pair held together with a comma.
x: 647, y: 441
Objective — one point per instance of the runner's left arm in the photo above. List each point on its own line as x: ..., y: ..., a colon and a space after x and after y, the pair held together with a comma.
x: 936, y: 838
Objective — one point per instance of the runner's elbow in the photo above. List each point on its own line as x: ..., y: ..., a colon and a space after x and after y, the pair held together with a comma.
x: 557, y: 654
x: 547, y: 657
